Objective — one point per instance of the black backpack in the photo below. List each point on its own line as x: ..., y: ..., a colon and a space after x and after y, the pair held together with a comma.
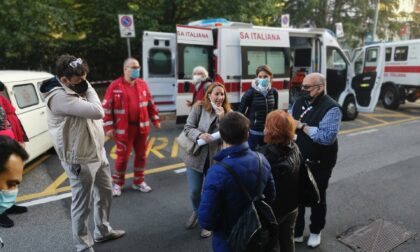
x: 256, y: 230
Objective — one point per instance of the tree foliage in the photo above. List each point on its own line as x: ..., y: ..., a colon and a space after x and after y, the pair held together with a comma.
x: 34, y: 33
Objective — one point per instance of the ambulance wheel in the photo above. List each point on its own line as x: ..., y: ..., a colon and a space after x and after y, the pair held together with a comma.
x: 391, y: 97
x: 349, y: 109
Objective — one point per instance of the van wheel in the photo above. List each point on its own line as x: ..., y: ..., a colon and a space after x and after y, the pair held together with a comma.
x: 391, y: 97
x: 349, y: 109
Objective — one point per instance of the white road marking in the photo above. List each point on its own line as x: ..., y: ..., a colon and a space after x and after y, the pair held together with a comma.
x: 46, y: 200
x: 363, y: 132
x: 182, y: 170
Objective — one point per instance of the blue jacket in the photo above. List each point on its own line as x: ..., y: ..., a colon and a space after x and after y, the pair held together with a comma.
x: 222, y: 201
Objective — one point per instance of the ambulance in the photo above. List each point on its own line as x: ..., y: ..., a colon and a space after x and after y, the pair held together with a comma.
x: 386, y: 71
x: 22, y: 90
x: 232, y: 51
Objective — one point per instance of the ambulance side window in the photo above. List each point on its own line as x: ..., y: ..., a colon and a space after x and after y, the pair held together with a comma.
x: 160, y: 63
x: 192, y: 56
x: 401, y: 53
x: 253, y: 57
x: 25, y: 95
x: 388, y: 53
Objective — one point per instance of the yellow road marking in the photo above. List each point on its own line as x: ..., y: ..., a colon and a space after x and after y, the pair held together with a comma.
x: 343, y: 132
x: 56, y: 183
x: 53, y: 190
x: 374, y: 118
x: 393, y: 115
x: 156, y: 149
x: 362, y: 121
x: 175, y: 146
x: 36, y: 163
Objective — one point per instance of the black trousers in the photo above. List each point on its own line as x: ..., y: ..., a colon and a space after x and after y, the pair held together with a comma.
x: 287, y: 230
x: 318, y: 211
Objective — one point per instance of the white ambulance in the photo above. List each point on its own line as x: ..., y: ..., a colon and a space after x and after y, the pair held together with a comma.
x: 22, y: 90
x: 386, y: 71
x: 232, y: 51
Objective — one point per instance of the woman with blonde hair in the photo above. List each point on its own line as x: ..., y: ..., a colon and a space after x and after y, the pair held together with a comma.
x: 284, y: 157
x: 202, y: 121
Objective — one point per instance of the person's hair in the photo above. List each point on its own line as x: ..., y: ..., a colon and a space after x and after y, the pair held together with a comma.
x: 2, y: 87
x: 318, y: 77
x: 266, y: 69
x: 201, y: 69
x: 279, y: 128
x: 8, y: 147
x: 206, y: 102
x: 68, y: 66
x: 128, y: 60
x: 233, y: 128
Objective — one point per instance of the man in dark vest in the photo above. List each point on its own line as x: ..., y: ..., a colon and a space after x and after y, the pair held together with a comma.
x: 318, y: 119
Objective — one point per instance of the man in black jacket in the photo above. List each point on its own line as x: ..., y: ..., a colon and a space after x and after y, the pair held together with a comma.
x: 318, y: 119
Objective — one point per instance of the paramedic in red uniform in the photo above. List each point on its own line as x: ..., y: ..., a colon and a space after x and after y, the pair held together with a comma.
x: 128, y: 109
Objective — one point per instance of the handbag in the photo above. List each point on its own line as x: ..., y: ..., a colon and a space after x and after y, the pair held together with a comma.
x: 185, y: 143
x: 189, y: 146
x: 308, y: 190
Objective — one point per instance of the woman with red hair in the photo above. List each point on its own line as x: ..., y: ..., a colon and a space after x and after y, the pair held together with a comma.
x: 284, y: 157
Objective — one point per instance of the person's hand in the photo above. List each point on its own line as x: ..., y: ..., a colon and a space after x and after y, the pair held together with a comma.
x: 220, y: 111
x: 157, y: 125
x: 22, y: 144
x: 110, y: 133
x: 298, y: 124
x: 206, y: 137
x: 188, y: 103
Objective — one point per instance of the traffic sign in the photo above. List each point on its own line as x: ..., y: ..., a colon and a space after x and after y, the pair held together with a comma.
x: 285, y: 19
x: 339, y: 32
x: 126, y: 26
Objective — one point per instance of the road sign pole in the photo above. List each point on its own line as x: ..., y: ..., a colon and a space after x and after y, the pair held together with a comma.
x: 128, y: 47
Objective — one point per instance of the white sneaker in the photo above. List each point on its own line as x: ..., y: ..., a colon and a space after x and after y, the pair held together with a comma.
x: 116, y: 190
x: 298, y: 239
x: 314, y: 240
x: 143, y: 187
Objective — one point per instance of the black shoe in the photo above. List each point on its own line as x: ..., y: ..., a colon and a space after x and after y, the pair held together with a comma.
x: 6, y: 221
x: 16, y: 210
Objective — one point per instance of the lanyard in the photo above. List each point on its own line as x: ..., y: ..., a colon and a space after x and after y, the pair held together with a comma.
x: 304, y: 112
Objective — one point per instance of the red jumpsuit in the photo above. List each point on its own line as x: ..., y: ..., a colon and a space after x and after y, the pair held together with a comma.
x: 16, y: 126
x: 128, y: 110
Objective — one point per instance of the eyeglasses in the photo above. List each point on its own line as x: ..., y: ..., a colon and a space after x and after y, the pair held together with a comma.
x: 76, y: 62
x: 307, y: 87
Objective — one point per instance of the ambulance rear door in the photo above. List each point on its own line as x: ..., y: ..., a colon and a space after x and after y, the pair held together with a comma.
x: 266, y: 46
x: 195, y: 47
x: 367, y: 70
x: 159, y: 68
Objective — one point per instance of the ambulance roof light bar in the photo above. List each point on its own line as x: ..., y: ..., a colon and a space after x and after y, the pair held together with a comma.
x: 212, y: 22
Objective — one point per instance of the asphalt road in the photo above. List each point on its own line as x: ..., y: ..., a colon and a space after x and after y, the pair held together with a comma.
x: 376, y: 176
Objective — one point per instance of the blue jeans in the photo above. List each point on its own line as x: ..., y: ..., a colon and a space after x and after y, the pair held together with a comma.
x: 195, y: 186
x: 255, y: 141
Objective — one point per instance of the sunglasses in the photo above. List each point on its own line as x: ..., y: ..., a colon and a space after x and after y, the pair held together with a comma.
x: 76, y: 62
x: 307, y: 87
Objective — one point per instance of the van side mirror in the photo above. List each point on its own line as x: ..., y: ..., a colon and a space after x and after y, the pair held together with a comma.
x: 187, y: 86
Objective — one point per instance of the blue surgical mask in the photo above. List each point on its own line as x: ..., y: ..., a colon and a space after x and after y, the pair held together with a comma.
x: 263, y: 83
x: 135, y: 73
x: 7, y: 199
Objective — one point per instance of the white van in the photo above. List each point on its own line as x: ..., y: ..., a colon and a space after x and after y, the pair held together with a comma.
x: 231, y: 52
x: 22, y: 89
x: 386, y: 71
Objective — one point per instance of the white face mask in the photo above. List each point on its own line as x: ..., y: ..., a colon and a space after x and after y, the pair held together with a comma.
x: 197, y: 78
